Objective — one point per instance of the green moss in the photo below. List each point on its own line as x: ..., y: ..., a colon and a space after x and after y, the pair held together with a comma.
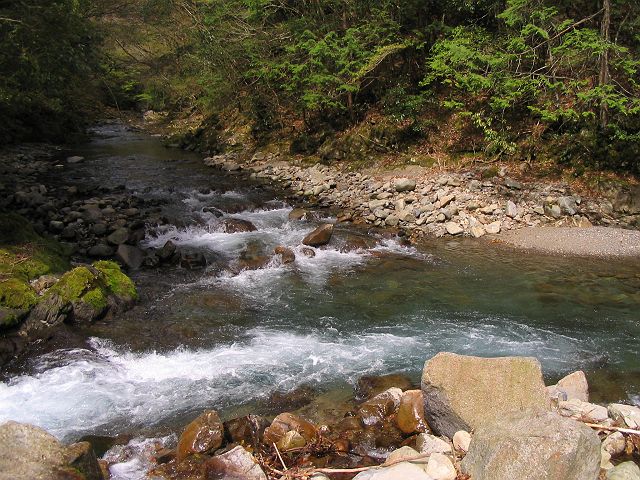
x: 96, y: 298
x: 16, y: 294
x: 74, y: 284
x: 118, y: 282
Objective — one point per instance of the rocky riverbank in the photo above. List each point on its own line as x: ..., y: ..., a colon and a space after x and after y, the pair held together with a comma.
x: 422, y: 202
x: 471, y: 418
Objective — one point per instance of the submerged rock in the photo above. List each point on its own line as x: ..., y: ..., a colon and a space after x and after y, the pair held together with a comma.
x: 288, y: 256
x: 204, y: 434
x: 369, y: 386
x: 533, y: 446
x: 375, y: 410
x: 463, y: 392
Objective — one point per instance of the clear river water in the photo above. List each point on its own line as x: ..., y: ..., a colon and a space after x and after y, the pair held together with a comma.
x: 217, y: 339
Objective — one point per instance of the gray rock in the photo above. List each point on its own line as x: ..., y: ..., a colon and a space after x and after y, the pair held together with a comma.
x: 236, y: 464
x: 627, y: 414
x: 320, y: 236
x: 584, y: 411
x: 533, y: 446
x: 119, y: 236
x: 573, y: 386
x: 513, y: 184
x: 614, y: 444
x: 28, y: 452
x: 404, y: 185
x: 392, y: 220
x: 298, y: 214
x: 101, y: 250
x: 167, y: 251
x: 193, y: 260
x: 400, y: 471
x: 511, y: 210
x: 428, y: 444
x: 493, y: 228
x: 132, y: 257
x: 75, y: 159
x: 553, y: 211
x: 493, y: 387
x: 624, y: 471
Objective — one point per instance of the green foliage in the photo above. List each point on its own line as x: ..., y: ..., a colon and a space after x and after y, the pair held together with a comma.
x: 116, y: 281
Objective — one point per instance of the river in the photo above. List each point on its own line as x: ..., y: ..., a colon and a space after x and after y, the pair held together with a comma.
x: 220, y: 339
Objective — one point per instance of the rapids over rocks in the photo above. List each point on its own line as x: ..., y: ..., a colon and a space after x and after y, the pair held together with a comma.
x: 230, y: 335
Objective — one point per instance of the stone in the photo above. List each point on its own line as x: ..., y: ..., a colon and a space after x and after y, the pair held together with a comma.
x: 410, y: 417
x: 453, y: 228
x: 553, y: 211
x: 56, y: 226
x: 286, y: 422
x: 248, y: 430
x: 624, y: 471
x: 28, y: 452
x: 101, y: 250
x: 392, y: 220
x: 118, y: 237
x: 377, y: 409
x: 440, y: 467
x: 308, y: 252
x: 579, y: 410
x: 614, y: 444
x: 404, y: 453
x: 492, y: 387
x: 461, y: 441
x: 237, y: 225
x: 167, y: 251
x: 513, y: 184
x: 533, y: 446
x: 369, y: 386
x: 288, y: 256
x: 320, y: 236
x: 75, y: 159
x: 573, y: 386
x: 511, y: 209
x: 401, y: 471
x: 568, y: 205
x: 130, y: 256
x: 477, y: 231
x: 493, y: 228
x: 625, y: 414
x: 193, y: 260
x: 428, y: 444
x: 204, y: 434
x: 291, y: 441
x: 236, y: 464
x: 404, y: 185
x: 298, y: 214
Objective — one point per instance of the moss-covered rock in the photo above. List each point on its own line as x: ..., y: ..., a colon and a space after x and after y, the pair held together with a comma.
x: 16, y: 294
x: 119, y: 284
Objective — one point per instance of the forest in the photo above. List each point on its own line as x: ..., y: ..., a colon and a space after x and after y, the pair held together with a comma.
x: 509, y: 78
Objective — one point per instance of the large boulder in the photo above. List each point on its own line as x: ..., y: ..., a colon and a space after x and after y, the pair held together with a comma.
x: 204, y: 434
x: 533, y: 446
x: 236, y: 464
x: 320, y: 236
x: 28, y: 452
x: 572, y: 387
x: 462, y: 392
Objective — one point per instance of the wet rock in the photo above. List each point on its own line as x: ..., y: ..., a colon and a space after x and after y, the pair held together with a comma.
x: 28, y: 452
x: 204, y: 434
x: 494, y: 388
x: 624, y: 471
x: 214, y: 211
x: 288, y: 256
x: 369, y: 386
x: 130, y: 256
x: 82, y: 457
x: 375, y: 410
x: 297, y: 398
x: 440, y: 467
x: 428, y: 444
x: 291, y: 441
x: 410, y: 418
x: 56, y: 226
x: 538, y: 446
x: 101, y: 250
x: 43, y: 283
x: 167, y: 251
x: 75, y: 159
x: 192, y: 260
x: 248, y: 430
x: 573, y: 386
x: 118, y: 237
x: 298, y: 214
x: 579, y: 410
x: 461, y: 440
x: 625, y: 414
x: 308, y: 252
x: 404, y: 453
x: 237, y: 225
x: 404, y: 185
x: 286, y: 422
x: 236, y: 464
x: 320, y: 236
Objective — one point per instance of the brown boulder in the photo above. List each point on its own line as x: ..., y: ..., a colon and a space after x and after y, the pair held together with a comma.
x: 237, y: 225
x: 286, y: 422
x: 204, y: 434
x: 320, y: 236
x: 286, y: 253
x: 410, y: 418
x: 383, y: 405
x: 248, y: 430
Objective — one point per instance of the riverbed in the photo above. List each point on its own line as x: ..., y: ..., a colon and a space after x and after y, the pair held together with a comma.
x: 367, y: 304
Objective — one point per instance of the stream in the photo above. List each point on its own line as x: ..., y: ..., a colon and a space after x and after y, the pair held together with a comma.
x: 364, y: 305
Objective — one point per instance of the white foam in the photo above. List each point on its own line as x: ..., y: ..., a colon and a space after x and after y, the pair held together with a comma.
x: 134, y: 460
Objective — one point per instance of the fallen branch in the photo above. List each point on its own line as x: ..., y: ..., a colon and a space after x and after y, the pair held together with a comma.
x: 615, y: 429
x: 280, y: 457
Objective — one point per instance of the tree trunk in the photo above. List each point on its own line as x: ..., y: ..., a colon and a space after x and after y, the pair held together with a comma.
x: 604, y: 60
